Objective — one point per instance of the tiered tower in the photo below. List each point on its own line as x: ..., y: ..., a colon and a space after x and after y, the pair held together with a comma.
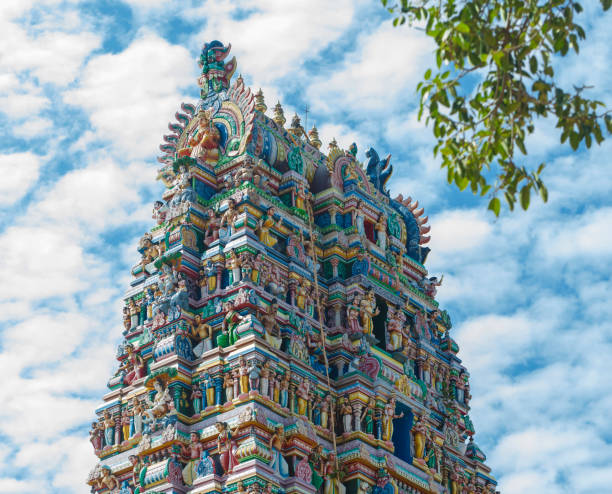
x: 281, y: 332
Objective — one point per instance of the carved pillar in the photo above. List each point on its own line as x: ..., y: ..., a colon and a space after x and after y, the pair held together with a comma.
x: 334, y: 262
x: 219, y: 267
x: 357, y: 409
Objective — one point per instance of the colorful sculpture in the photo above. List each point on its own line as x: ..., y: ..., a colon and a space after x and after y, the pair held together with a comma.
x: 283, y: 291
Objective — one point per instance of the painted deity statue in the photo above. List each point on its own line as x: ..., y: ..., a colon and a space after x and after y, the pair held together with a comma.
x: 276, y: 443
x: 232, y: 320
x: 333, y: 477
x: 346, y: 412
x: 226, y: 446
x: 205, y: 143
x: 264, y: 225
x: 108, y: 480
x: 367, y: 417
x: 419, y: 432
x: 381, y: 231
x: 161, y: 403
x: 191, y: 454
x: 109, y: 428
x: 303, y: 392
x: 387, y: 419
x: 133, y: 365
x: 352, y: 317
x: 201, y: 331
x: 368, y: 310
x: 228, y: 385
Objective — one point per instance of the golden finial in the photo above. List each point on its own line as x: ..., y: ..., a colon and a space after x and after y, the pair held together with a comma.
x: 296, y: 126
x: 260, y: 104
x: 314, y: 137
x: 333, y: 144
x: 279, y: 115
x: 239, y: 81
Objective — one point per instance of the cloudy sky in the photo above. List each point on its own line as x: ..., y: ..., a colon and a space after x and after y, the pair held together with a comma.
x: 86, y: 91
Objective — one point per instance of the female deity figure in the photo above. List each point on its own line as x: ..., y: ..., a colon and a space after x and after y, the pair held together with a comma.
x: 254, y: 375
x: 368, y: 417
x: 277, y: 388
x: 325, y: 409
x: 419, y: 432
x: 284, y: 389
x: 368, y: 310
x: 212, y: 227
x: 133, y: 365
x: 161, y: 403
x: 352, y: 317
x: 316, y: 461
x: 316, y: 410
x: 278, y: 463
x: 191, y: 454
x: 137, y: 467
x: 137, y: 413
x: 201, y: 331
x: 96, y: 435
x: 228, y: 385
x: 209, y: 388
x: 243, y: 372
x: 196, y: 399
x: 265, y: 378
x: 264, y: 225
x: 232, y: 320
x: 332, y: 475
x: 233, y: 263
x: 381, y: 231
x: 226, y: 445
x: 359, y: 219
x: 394, y: 328
x: 125, y: 424
x: 303, y: 392
x: 387, y: 419
x: 109, y: 428
x: 205, y: 143
x: 346, y: 412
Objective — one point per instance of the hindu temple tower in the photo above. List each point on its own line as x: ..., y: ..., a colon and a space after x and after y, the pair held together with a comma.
x: 281, y: 333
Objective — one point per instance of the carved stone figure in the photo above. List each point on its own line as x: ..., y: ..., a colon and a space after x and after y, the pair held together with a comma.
x: 387, y: 419
x: 191, y: 454
x: 367, y: 310
x: 276, y: 443
x: 264, y: 225
x: 226, y: 446
x: 205, y: 143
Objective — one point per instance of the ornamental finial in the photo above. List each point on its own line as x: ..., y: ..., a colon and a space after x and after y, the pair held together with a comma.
x: 313, y: 136
x: 279, y: 115
x: 260, y: 104
x: 333, y: 144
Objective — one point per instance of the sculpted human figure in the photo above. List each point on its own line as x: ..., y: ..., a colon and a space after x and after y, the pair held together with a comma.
x: 394, y: 328
x: 254, y: 375
x: 367, y: 417
x: 108, y: 480
x: 359, y: 219
x: 109, y: 428
x: 276, y: 443
x: 346, y: 412
x: 302, y: 392
x: 381, y: 231
x: 232, y: 320
x: 226, y: 445
x: 352, y: 317
x: 133, y: 365
x: 160, y: 211
x: 284, y: 389
x: 333, y: 477
x: 137, y: 414
x: 234, y: 264
x: 196, y: 399
x: 419, y: 431
x: 212, y: 227
x: 368, y: 310
x: 137, y: 467
x: 201, y: 331
x: 264, y: 225
x: 228, y: 385
x: 265, y: 378
x: 161, y: 403
x: 96, y: 434
x: 205, y: 143
x: 229, y: 217
x: 387, y: 419
x: 191, y: 453
x: 243, y: 372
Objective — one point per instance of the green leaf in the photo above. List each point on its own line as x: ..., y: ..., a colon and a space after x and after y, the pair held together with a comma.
x: 427, y: 74
x: 533, y: 64
x: 463, y: 28
x: 495, y: 205
x: 525, y: 196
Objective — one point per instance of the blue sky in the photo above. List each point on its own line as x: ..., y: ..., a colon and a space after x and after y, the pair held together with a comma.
x: 86, y: 91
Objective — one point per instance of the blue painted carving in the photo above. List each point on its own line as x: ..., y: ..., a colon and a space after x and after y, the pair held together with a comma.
x: 379, y: 172
x: 413, y: 234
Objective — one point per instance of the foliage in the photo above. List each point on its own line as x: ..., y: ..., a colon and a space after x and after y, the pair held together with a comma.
x: 492, y: 79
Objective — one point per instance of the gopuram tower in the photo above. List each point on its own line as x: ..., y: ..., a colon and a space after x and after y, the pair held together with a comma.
x: 281, y: 333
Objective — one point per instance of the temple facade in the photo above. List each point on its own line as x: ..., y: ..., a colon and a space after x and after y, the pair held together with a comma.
x: 281, y: 333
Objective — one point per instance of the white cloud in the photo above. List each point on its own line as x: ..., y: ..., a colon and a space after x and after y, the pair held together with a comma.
x: 380, y: 74
x: 132, y: 95
x: 276, y: 36
x: 19, y: 172
x: 33, y: 128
